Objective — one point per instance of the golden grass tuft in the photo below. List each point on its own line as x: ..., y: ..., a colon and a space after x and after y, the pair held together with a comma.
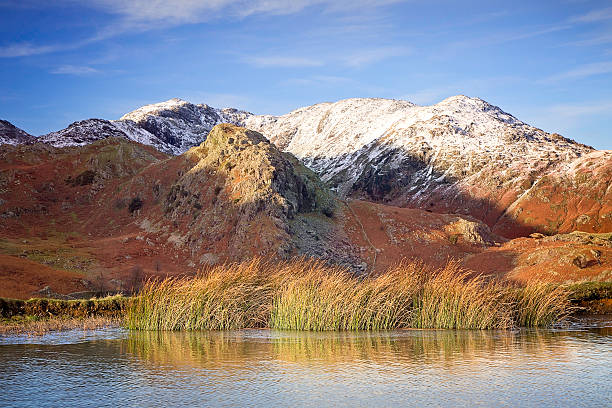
x: 310, y: 295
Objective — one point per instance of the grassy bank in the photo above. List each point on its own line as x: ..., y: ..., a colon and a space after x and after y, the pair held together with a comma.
x: 39, y: 315
x: 308, y: 295
x: 33, y: 325
x: 112, y: 306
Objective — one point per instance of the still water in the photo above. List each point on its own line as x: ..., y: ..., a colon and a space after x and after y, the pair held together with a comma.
x: 567, y: 367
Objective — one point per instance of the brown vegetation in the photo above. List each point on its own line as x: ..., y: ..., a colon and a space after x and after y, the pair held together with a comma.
x: 309, y: 295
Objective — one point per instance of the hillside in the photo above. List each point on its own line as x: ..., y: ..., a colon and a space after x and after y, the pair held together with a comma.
x: 462, y: 155
x: 107, y: 214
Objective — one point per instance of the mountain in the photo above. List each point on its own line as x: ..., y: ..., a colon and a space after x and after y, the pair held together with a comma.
x: 462, y: 155
x: 181, y: 124
x: 106, y: 214
x: 11, y: 134
x: 88, y: 131
x: 171, y: 127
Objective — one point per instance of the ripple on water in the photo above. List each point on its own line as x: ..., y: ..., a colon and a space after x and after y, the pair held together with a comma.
x: 569, y: 366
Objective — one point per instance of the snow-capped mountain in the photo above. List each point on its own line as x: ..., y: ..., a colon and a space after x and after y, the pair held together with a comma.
x: 172, y: 127
x: 182, y: 124
x: 11, y: 134
x: 359, y: 143
x: 90, y: 130
x: 462, y: 155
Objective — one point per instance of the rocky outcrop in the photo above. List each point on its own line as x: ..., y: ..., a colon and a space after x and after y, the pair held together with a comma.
x: 237, y: 176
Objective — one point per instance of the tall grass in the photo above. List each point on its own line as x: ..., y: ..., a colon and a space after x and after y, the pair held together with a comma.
x: 309, y: 295
x: 223, y: 298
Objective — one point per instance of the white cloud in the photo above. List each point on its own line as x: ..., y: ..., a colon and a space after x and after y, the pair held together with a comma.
x: 598, y: 68
x: 26, y: 49
x: 283, y: 62
x: 144, y: 15
x: 595, y: 15
x: 355, y: 59
x: 373, y: 55
x: 192, y: 11
x: 74, y: 70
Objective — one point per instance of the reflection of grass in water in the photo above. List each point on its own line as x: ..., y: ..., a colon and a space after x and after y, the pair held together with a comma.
x: 186, y: 348
x: 211, y: 349
x: 308, y: 295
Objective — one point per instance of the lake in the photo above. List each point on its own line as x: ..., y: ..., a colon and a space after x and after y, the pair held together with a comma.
x: 114, y: 367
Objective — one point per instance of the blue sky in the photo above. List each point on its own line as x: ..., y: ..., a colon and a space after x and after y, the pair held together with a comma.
x: 549, y: 63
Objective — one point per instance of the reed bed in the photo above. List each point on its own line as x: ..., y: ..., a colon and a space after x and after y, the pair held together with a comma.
x: 310, y: 295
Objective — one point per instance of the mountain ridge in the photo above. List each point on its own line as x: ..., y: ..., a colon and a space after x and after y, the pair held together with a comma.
x: 462, y: 155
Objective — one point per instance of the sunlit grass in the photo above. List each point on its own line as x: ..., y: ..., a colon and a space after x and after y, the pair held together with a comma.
x: 310, y: 295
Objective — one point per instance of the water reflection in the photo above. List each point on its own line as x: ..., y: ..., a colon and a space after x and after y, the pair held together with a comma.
x: 409, y: 347
x: 277, y: 368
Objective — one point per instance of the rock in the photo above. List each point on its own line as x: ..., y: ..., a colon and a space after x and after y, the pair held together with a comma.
x: 581, y: 261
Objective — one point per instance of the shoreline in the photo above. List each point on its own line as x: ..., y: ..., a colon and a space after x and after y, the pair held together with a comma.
x: 41, y: 315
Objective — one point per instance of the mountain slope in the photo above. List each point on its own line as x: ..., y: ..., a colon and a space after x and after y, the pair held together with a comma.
x: 462, y: 155
x: 181, y: 124
x: 105, y: 215
x: 87, y: 131
x: 11, y: 134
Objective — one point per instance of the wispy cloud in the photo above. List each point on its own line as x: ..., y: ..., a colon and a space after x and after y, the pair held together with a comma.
x: 192, y: 11
x: 26, y: 49
x: 283, y: 62
x: 366, y: 57
x: 595, y: 15
x: 317, y: 80
x: 453, y: 48
x: 144, y: 15
x: 597, y: 40
x: 598, y: 68
x: 353, y: 59
x: 74, y: 70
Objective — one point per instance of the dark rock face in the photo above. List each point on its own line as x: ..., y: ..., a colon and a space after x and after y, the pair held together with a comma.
x: 11, y: 134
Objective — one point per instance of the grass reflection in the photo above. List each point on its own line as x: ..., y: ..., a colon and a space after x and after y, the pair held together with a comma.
x: 405, y: 347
